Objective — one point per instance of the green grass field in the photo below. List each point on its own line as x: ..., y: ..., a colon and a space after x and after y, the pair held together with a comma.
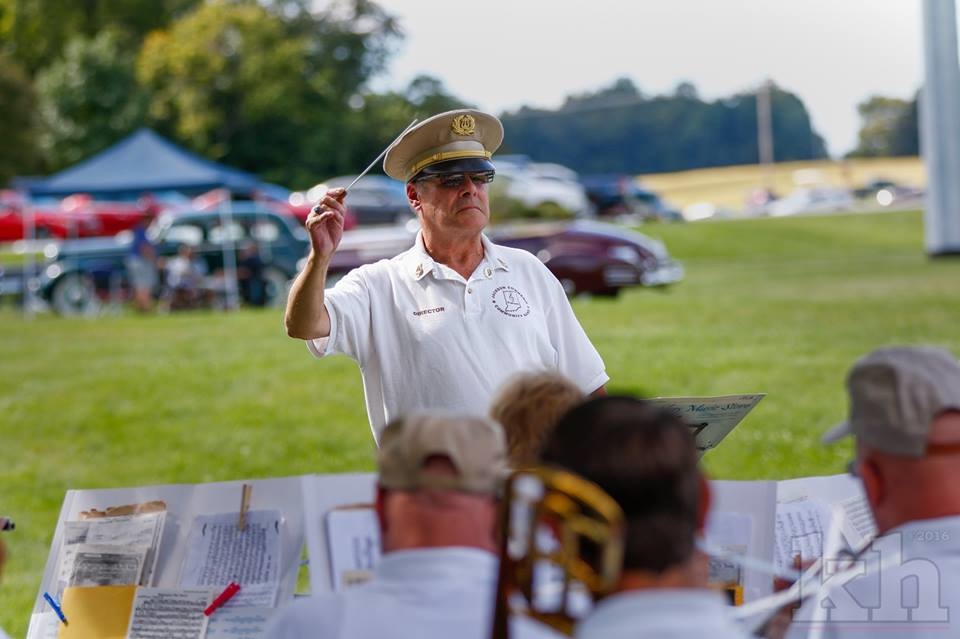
x: 780, y: 306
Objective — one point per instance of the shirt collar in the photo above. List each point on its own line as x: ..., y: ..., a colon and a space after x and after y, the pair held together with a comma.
x: 656, y: 607
x: 437, y: 563
x: 418, y: 262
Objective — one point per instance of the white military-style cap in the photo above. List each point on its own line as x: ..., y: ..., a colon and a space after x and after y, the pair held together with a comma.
x: 452, y: 142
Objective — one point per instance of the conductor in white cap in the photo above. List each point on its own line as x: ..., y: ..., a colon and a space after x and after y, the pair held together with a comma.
x: 443, y: 324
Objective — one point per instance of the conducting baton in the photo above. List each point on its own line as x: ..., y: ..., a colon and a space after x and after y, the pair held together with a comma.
x: 316, y: 209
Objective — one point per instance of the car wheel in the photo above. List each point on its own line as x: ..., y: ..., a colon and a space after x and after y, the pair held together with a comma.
x: 74, y: 294
x: 275, y: 282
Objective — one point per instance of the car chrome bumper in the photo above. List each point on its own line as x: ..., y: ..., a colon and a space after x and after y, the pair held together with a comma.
x: 664, y: 273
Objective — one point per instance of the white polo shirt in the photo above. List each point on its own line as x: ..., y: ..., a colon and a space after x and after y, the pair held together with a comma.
x: 427, y: 593
x: 426, y: 338
x: 677, y: 613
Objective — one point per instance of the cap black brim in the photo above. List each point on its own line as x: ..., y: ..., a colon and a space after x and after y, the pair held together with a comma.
x: 461, y: 165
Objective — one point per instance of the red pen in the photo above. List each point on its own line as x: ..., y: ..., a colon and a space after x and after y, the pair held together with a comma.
x: 222, y: 598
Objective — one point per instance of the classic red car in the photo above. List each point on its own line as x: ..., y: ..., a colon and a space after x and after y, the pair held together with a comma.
x: 75, y: 216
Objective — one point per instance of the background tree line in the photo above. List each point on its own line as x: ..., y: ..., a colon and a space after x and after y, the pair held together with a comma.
x: 890, y: 127
x: 619, y: 129
x: 280, y: 89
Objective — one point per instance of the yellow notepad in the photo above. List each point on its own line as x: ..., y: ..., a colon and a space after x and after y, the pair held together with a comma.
x: 97, y: 612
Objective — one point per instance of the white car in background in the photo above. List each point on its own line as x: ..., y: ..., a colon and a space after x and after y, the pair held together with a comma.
x: 812, y: 199
x: 539, y: 184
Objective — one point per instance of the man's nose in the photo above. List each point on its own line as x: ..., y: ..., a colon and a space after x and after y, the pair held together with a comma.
x: 469, y: 186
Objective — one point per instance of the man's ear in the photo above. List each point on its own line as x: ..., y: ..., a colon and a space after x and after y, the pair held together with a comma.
x: 413, y: 198
x: 703, y: 505
x: 380, y: 508
x: 874, y: 481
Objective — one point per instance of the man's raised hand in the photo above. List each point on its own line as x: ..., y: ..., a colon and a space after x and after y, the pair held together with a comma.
x: 325, y: 223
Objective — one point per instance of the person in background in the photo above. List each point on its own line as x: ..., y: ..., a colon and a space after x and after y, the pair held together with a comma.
x: 905, y: 420
x: 444, y: 324
x: 528, y: 405
x: 253, y: 288
x: 437, y: 507
x: 141, y: 265
x: 186, y: 280
x: 646, y: 460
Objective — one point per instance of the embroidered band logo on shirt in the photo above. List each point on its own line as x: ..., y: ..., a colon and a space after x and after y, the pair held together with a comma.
x: 510, y: 301
x: 428, y: 311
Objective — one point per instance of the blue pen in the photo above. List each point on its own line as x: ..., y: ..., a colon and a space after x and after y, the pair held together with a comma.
x: 55, y: 606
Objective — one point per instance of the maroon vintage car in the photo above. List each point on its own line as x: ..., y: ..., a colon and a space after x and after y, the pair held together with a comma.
x: 586, y: 256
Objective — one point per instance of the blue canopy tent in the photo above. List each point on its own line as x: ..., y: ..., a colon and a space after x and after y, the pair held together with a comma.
x: 144, y: 161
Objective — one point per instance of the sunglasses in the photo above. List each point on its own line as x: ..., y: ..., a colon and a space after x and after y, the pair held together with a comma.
x: 456, y: 180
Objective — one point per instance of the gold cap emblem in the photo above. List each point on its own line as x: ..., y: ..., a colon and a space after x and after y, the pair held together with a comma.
x: 464, y: 124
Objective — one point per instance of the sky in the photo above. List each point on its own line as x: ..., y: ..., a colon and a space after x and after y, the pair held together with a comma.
x: 503, y: 54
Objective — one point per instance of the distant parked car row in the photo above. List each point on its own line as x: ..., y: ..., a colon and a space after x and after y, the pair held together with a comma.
x: 587, y: 257
x: 616, y: 195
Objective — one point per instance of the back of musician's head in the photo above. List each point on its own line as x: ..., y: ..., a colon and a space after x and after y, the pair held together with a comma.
x: 528, y: 405
x: 645, y: 459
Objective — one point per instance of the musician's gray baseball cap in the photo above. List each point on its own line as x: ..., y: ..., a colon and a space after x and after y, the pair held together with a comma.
x: 895, y: 394
x: 475, y: 446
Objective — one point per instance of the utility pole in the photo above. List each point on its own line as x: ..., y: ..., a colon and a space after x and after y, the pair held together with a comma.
x: 765, y: 134
x: 940, y: 128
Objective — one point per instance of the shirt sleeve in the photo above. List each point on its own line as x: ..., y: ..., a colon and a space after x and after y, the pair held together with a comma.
x: 577, y: 358
x: 348, y: 305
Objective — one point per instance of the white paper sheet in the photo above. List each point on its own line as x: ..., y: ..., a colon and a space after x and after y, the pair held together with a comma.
x: 801, y: 526
x: 712, y: 418
x: 139, y: 531
x: 741, y: 523
x: 239, y: 623
x: 857, y: 526
x: 163, y: 613
x: 321, y: 494
x: 353, y: 539
x: 218, y: 552
x: 102, y: 565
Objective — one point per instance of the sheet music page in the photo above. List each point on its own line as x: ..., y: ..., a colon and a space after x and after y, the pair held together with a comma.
x: 218, y: 552
x: 857, y: 525
x: 711, y: 418
x: 801, y: 527
x: 353, y: 539
x: 138, y: 531
x: 860, y: 520
x: 239, y: 623
x: 732, y: 533
x: 164, y: 613
x: 100, y: 565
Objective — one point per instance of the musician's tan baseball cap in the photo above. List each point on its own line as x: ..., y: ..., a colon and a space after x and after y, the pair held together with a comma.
x: 476, y: 447
x: 460, y: 141
x: 895, y: 394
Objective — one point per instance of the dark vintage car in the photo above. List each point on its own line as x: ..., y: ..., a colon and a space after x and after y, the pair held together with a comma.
x: 616, y: 195
x: 83, y: 273
x: 586, y: 256
x: 373, y: 200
